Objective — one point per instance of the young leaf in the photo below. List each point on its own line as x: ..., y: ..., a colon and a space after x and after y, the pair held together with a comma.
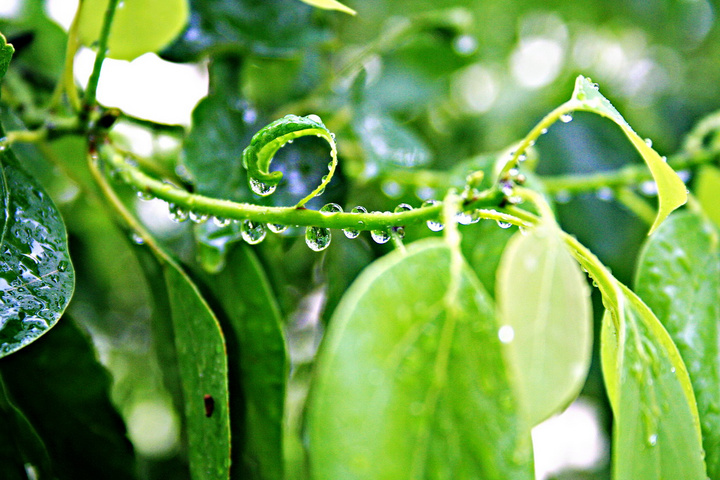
x: 707, y: 190
x: 6, y: 53
x: 656, y: 433
x: 36, y: 276
x: 68, y: 404
x: 544, y: 306
x: 203, y: 367
x: 679, y: 278
x: 671, y: 190
x: 411, y: 384
x: 256, y: 348
x: 330, y: 5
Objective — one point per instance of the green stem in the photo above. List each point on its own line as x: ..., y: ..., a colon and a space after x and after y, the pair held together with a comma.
x: 637, y: 205
x: 91, y: 92
x: 67, y: 81
x: 287, y: 215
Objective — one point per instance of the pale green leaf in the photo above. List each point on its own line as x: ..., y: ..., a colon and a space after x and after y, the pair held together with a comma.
x: 544, y: 306
x: 203, y: 369
x: 672, y: 192
x: 330, y: 5
x: 6, y: 53
x: 656, y: 433
x: 679, y: 278
x: 411, y: 384
x: 707, y: 190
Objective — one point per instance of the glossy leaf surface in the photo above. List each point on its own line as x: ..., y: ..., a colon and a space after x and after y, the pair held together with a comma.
x: 544, y: 307
x: 68, y: 404
x: 202, y: 360
x: 679, y: 278
x: 6, y: 53
x: 411, y: 376
x: 672, y: 192
x: 258, y: 361
x: 656, y: 432
x: 36, y: 276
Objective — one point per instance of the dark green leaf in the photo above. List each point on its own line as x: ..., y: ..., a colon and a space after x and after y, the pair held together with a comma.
x: 679, y: 278
x: 544, y: 305
x: 68, y: 403
x: 36, y: 276
x: 258, y: 360
x: 656, y: 432
x: 202, y: 359
x: 411, y: 381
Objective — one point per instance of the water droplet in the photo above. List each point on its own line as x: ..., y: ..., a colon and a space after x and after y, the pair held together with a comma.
x: 605, y: 194
x: 652, y: 440
x: 314, y: 118
x: 663, y: 158
x: 317, y: 238
x: 145, y: 196
x: 502, y: 224
x: 137, y: 239
x: 403, y: 207
x: 62, y: 266
x: 506, y: 187
x: 252, y: 232
x: 543, y: 131
x: 351, y: 232
x: 466, y: 218
x: 221, y: 222
x: 672, y: 370
x: 177, y: 215
x: 648, y: 142
x: 196, y: 217
x: 331, y: 208
x: 506, y: 334
x: 260, y: 188
x: 276, y: 227
x: 566, y: 118
x: 433, y: 225
x: 380, y: 236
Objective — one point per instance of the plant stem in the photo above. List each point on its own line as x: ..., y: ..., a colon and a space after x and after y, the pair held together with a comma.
x: 91, y: 92
x: 285, y: 215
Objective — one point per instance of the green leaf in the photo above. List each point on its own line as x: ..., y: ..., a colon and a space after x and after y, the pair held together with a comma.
x: 672, y: 192
x: 330, y: 5
x: 656, y: 432
x: 544, y: 306
x: 707, y: 190
x: 411, y: 382
x: 36, y: 276
x: 6, y: 53
x: 64, y: 392
x: 679, y: 278
x: 482, y: 246
x: 259, y: 365
x: 388, y: 145
x: 203, y: 368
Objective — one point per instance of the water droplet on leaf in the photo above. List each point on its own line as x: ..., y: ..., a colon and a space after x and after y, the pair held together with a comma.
x: 221, y: 222
x: 380, y: 236
x: 433, y: 225
x: 276, y: 227
x: 317, y: 238
x: 506, y: 334
x: 648, y: 142
x: 566, y: 118
x: 605, y: 194
x: 260, y: 188
x: 351, y: 232
x: 502, y: 224
x: 331, y: 208
x: 252, y: 232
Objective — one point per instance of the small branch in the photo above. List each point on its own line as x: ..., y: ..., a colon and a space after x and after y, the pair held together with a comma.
x: 91, y: 92
x: 637, y: 205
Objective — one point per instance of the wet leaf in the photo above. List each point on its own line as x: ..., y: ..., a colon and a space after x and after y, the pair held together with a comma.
x: 679, y: 278
x: 258, y: 361
x: 202, y: 360
x: 482, y: 245
x: 36, y: 276
x: 544, y: 306
x: 82, y: 423
x: 656, y: 431
x: 707, y: 190
x: 408, y: 378
x: 672, y: 192
x: 330, y: 5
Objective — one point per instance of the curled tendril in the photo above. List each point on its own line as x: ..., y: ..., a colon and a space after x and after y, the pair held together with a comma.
x: 265, y: 143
